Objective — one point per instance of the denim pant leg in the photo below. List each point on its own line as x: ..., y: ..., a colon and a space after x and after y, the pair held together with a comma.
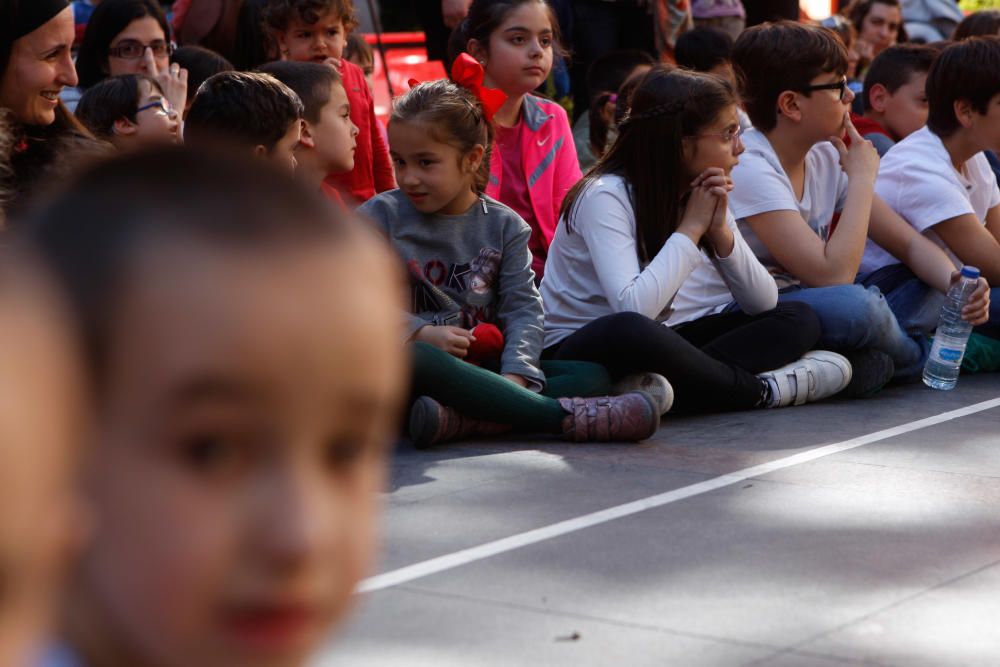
x: 915, y: 304
x: 855, y: 318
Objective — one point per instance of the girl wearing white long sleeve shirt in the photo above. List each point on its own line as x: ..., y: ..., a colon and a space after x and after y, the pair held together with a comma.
x: 653, y: 217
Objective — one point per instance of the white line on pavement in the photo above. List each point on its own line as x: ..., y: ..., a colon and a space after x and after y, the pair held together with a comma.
x: 473, y: 554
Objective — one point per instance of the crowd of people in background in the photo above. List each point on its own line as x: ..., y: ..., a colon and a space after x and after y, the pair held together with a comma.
x: 224, y: 278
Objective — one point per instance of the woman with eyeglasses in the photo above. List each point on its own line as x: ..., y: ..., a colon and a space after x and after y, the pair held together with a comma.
x: 131, y: 37
x: 35, y: 67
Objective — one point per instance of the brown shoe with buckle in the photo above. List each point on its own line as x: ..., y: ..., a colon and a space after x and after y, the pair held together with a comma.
x: 627, y: 418
x: 432, y: 423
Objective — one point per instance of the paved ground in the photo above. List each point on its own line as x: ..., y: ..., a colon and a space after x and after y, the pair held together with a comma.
x: 757, y: 548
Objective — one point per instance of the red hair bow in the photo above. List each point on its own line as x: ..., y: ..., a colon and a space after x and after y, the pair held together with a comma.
x: 468, y: 73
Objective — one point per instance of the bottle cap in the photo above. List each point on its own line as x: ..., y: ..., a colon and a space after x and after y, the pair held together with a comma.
x: 970, y: 272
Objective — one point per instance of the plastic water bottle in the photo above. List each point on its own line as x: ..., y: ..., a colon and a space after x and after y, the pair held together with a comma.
x: 945, y: 360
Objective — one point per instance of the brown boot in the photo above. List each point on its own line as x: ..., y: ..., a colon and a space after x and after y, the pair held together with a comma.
x: 626, y: 418
x: 432, y: 423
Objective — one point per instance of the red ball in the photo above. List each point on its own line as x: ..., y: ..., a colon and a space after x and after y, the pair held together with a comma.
x: 488, y: 344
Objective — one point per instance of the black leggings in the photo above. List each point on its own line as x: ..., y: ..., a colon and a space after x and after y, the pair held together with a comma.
x: 711, y: 362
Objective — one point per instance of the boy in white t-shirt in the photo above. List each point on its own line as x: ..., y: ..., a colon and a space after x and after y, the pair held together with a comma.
x: 939, y: 180
x: 794, y: 180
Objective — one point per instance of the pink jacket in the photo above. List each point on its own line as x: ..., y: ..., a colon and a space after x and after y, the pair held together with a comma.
x: 550, y: 165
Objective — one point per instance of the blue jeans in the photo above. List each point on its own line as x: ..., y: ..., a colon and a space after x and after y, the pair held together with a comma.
x: 917, y: 305
x: 855, y: 318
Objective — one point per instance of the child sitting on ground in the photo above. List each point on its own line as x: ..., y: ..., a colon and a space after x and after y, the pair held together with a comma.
x: 895, y: 96
x: 250, y: 111
x: 329, y: 137
x: 473, y: 294
x: 129, y: 111
x: 796, y: 175
x: 534, y: 162
x: 939, y: 181
x: 247, y: 387
x: 595, y: 130
x: 316, y: 31
x: 638, y: 228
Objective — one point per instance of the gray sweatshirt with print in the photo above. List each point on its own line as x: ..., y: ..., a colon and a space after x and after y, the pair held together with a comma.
x: 466, y: 269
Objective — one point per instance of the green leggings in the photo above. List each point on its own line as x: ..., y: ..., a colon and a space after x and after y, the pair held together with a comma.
x: 482, y: 394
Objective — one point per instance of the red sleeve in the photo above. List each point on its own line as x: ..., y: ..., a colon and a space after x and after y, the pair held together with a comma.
x: 180, y: 10
x: 385, y: 178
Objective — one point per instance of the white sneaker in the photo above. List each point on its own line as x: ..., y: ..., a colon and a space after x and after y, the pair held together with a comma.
x: 817, y: 375
x: 653, y: 384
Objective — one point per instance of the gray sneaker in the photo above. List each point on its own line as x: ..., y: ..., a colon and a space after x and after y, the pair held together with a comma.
x: 653, y: 384
x: 817, y: 375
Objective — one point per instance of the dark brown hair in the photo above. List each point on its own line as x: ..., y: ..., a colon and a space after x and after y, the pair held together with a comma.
x: 978, y: 24
x: 244, y: 107
x: 452, y: 115
x: 666, y: 106
x: 774, y: 57
x: 967, y: 70
x: 110, y: 100
x: 310, y: 81
x: 279, y: 14
x: 896, y: 65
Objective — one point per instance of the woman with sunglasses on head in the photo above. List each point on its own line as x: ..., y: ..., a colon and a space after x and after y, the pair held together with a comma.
x: 131, y: 37
x: 35, y: 67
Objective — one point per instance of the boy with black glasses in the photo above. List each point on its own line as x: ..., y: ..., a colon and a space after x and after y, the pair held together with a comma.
x: 797, y: 181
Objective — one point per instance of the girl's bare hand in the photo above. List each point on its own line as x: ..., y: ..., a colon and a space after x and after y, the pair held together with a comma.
x: 453, y: 340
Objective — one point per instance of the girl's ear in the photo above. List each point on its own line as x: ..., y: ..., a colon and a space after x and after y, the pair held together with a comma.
x: 260, y: 151
x: 123, y: 127
x: 307, y: 140
x: 477, y: 51
x: 788, y: 105
x: 473, y: 159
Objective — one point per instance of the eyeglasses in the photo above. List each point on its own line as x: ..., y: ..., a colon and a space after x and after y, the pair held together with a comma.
x: 162, y: 106
x: 729, y: 136
x: 840, y: 86
x: 132, y: 49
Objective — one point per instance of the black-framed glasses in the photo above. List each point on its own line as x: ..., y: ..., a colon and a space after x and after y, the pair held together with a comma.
x: 840, y: 86
x: 133, y: 49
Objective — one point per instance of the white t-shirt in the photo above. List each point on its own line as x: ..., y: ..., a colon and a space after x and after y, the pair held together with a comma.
x: 595, y: 270
x: 761, y: 186
x: 916, y: 178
